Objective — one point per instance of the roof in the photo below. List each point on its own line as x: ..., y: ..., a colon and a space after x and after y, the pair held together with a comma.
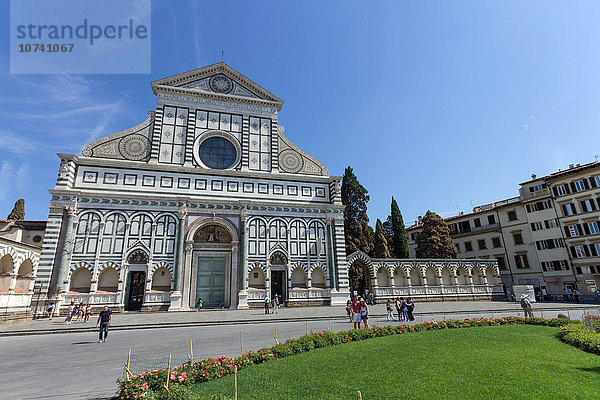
x: 477, y: 210
x: 178, y: 83
x: 569, y: 171
x: 30, y: 225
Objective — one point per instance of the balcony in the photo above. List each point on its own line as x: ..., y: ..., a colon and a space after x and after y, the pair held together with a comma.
x: 545, y: 192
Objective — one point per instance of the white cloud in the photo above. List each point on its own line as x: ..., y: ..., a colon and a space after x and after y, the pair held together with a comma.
x: 13, y: 143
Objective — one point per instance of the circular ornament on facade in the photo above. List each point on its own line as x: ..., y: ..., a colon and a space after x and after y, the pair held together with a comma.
x: 134, y: 147
x: 290, y: 161
x: 220, y: 84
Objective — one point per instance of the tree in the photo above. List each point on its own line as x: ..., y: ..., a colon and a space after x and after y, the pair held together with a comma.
x: 389, y: 233
x: 434, y: 239
x: 381, y: 244
x: 356, y: 221
x: 400, y: 240
x: 18, y: 211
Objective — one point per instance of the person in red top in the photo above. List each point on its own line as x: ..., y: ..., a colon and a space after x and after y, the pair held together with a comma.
x: 356, y: 313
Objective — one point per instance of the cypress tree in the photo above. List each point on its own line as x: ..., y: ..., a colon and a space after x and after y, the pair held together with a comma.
x: 389, y: 234
x: 356, y: 221
x: 400, y: 240
x: 18, y: 211
x: 434, y: 239
x: 381, y: 244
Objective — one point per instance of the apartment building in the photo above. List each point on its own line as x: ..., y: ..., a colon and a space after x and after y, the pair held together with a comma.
x: 548, y: 237
x: 495, y: 231
x: 576, y: 193
x: 547, y: 234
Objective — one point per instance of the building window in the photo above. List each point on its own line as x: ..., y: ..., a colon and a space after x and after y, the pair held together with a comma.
x: 588, y: 205
x: 551, y: 223
x: 468, y: 246
x: 597, y: 180
x: 573, y: 230
x: 569, y: 209
x: 217, y: 153
x: 562, y: 190
x: 578, y: 251
x: 496, y: 242
x: 518, y: 238
x: 464, y: 227
x: 537, y: 226
x: 580, y: 186
x: 501, y: 262
x: 512, y: 215
x: 521, y: 261
x: 596, y: 248
x: 593, y: 227
x: 477, y: 222
x: 491, y: 219
x: 481, y: 244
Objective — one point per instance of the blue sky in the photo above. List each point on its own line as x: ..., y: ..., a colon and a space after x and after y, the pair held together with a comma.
x: 444, y: 105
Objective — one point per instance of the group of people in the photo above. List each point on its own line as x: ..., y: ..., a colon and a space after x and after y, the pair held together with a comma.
x: 358, y: 311
x: 404, y: 309
x: 82, y: 312
x: 272, y: 304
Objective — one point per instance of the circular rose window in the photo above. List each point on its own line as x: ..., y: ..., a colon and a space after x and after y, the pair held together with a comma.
x: 217, y: 152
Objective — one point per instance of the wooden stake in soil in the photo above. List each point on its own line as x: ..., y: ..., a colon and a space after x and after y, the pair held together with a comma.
x: 129, y: 374
x: 191, y: 351
x: 242, y: 342
x: 166, y: 386
x: 329, y: 326
x: 568, y: 313
x: 275, y: 336
x: 307, y: 327
x: 359, y: 395
x: 235, y: 383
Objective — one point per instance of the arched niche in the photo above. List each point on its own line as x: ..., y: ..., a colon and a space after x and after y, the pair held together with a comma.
x: 383, y: 278
x: 415, y: 277
x: 7, y: 267
x: 318, y: 279
x: 108, y: 280
x: 447, y: 277
x: 462, y: 276
x: 256, y: 279
x: 298, y: 278
x: 81, y: 280
x: 161, y: 280
x: 24, y: 276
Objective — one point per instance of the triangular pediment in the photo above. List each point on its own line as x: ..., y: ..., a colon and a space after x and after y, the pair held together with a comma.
x: 217, y: 81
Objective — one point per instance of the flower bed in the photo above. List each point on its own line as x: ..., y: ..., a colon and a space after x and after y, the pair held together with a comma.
x: 580, y: 336
x: 149, y: 384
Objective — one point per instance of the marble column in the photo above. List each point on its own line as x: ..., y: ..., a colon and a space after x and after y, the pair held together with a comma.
x: 65, y: 253
x: 179, y: 255
x: 330, y: 258
x: 243, y: 293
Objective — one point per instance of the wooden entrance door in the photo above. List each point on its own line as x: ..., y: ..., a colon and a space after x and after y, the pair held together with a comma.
x: 211, y: 281
x: 135, y: 285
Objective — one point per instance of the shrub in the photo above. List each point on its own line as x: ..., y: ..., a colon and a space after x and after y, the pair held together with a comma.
x: 149, y: 384
x: 577, y: 335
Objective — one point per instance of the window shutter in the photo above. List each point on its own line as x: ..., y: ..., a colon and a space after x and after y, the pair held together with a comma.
x: 528, y: 208
x: 593, y: 249
x: 567, y: 232
x: 539, y: 247
x: 585, y: 184
x: 546, y: 224
x: 573, y: 187
x: 598, y: 200
x: 593, y: 182
x: 584, y: 206
x: 564, y: 209
x: 555, y: 191
x: 573, y: 252
x: 593, y: 205
x: 586, y: 228
x: 586, y: 250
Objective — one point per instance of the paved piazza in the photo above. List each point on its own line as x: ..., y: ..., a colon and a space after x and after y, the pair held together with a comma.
x: 88, y: 370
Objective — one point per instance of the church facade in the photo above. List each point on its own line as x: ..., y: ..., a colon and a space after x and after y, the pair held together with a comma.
x: 207, y: 198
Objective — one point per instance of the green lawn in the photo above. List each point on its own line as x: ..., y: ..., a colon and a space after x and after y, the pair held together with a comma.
x: 499, y: 362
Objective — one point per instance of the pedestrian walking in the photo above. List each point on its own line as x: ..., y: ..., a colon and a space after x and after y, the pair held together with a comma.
x: 349, y: 309
x: 199, y: 304
x: 267, y: 303
x: 410, y: 306
x: 390, y: 313
x: 364, y: 313
x: 598, y: 294
x: 577, y: 295
x: 104, y: 321
x: 526, y: 305
x: 50, y: 310
x: 356, y: 313
x: 276, y: 303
